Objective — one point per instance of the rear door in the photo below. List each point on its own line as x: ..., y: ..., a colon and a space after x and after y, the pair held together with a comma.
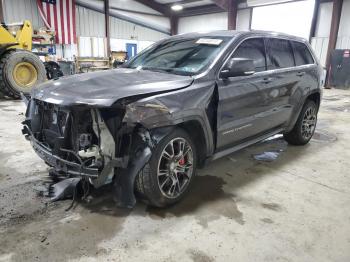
x: 240, y: 98
x: 282, y: 81
x: 307, y: 70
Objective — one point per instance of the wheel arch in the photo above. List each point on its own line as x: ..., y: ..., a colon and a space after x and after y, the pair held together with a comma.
x: 313, y: 96
x: 196, y: 131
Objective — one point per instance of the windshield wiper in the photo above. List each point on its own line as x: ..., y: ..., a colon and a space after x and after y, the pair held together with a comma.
x: 158, y: 69
x: 165, y: 70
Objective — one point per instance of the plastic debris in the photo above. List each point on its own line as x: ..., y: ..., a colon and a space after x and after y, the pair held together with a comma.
x: 267, y: 156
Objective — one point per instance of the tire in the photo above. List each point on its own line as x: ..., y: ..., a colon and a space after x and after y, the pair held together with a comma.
x: 8, y: 63
x: 148, y: 183
x: 298, y: 136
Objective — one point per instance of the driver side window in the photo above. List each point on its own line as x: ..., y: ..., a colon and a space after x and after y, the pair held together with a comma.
x: 253, y: 49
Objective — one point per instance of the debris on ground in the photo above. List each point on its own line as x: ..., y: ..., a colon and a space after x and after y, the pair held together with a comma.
x: 267, y: 156
x: 64, y: 189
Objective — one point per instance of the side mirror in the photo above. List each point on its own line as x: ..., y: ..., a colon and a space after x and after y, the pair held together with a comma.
x: 238, y: 67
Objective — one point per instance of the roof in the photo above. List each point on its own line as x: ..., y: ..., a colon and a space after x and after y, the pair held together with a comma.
x: 235, y: 33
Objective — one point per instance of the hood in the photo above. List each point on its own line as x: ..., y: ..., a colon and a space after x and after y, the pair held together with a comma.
x: 104, y: 88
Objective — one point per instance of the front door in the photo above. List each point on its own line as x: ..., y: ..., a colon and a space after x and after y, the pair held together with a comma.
x: 240, y: 98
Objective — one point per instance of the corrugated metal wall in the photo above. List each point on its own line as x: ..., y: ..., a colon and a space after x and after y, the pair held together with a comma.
x: 207, y: 22
x: 210, y: 22
x: 125, y: 30
x: 320, y: 41
x: 343, y: 41
x: 91, y: 23
x: 243, y: 19
x: 91, y: 31
x: 19, y: 10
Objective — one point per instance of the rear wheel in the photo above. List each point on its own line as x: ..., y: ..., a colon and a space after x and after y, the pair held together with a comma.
x: 305, y: 125
x: 169, y: 174
x: 20, y: 71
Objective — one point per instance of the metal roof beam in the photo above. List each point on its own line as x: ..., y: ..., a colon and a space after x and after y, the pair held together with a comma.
x: 200, y: 10
x: 122, y: 16
x: 163, y: 9
x: 223, y: 4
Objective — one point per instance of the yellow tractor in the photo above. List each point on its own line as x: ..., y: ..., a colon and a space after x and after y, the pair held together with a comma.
x: 20, y: 69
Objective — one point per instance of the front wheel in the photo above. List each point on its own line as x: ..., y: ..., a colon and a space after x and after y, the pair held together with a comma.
x: 305, y: 126
x: 170, y: 172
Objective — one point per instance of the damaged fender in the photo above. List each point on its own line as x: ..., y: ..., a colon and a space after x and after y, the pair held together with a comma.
x: 124, y: 186
x: 156, y: 117
x: 125, y: 181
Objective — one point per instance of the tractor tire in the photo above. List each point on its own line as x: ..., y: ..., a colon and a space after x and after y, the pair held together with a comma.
x: 20, y: 72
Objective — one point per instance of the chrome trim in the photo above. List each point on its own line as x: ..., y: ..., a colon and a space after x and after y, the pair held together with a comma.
x: 245, y: 144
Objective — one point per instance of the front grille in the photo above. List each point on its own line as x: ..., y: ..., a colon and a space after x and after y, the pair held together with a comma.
x: 54, y: 122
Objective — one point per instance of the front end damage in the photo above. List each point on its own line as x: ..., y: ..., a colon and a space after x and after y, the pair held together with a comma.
x: 91, y: 143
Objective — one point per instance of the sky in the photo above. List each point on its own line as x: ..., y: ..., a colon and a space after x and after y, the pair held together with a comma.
x: 291, y: 18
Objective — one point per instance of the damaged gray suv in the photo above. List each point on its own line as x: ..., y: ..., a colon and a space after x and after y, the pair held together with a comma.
x: 180, y: 103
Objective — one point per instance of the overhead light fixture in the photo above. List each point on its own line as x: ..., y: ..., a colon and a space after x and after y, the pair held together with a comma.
x: 177, y: 7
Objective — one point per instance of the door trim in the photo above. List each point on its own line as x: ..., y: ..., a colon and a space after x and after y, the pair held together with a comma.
x: 245, y: 144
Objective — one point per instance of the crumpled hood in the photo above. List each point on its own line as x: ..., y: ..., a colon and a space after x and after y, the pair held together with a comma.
x: 104, y: 88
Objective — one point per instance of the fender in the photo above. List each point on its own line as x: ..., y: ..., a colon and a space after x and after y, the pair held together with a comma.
x: 124, y: 184
x: 125, y: 181
x: 156, y: 112
x: 298, y: 109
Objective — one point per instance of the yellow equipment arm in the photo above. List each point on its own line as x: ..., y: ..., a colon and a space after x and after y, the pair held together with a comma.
x: 22, y: 37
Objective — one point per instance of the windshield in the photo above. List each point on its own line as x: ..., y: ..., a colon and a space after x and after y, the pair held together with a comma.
x: 180, y: 56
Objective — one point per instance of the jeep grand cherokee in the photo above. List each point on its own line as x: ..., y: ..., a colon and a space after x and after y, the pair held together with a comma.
x: 180, y: 103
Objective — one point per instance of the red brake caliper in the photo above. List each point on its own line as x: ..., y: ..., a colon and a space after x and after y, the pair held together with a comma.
x: 182, y: 161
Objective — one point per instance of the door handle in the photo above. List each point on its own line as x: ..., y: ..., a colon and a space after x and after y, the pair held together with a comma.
x: 300, y: 73
x: 267, y: 80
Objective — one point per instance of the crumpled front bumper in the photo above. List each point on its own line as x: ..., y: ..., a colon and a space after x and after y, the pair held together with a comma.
x: 60, y: 165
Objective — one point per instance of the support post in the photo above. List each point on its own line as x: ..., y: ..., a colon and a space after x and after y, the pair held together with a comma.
x: 174, y: 25
x: 314, y: 20
x: 108, y: 40
x: 333, y: 35
x: 232, y: 14
x: 250, y: 18
x: 2, y: 18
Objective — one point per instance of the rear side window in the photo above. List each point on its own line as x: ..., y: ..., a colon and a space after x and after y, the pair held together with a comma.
x: 280, y: 53
x: 253, y: 49
x: 302, y: 54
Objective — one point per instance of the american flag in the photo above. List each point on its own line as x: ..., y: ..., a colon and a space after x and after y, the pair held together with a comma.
x: 59, y: 15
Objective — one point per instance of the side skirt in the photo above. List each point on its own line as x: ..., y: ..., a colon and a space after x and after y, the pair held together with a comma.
x: 243, y: 145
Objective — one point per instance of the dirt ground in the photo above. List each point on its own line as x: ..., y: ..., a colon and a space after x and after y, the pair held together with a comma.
x: 269, y: 202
